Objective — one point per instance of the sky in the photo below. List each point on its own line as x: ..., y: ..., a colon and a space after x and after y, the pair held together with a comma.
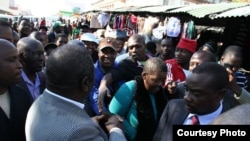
x: 51, y: 7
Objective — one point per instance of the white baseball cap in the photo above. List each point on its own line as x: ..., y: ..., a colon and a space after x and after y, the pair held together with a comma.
x: 89, y: 37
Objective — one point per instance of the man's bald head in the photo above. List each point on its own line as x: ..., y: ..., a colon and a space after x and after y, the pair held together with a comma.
x: 6, y: 31
x: 205, y: 56
x: 136, y: 38
x: 27, y: 43
x: 4, y: 44
x: 31, y: 54
x: 200, y: 57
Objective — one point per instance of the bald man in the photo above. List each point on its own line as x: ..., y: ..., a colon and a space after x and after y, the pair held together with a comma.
x: 31, y: 55
x: 196, y: 59
x: 39, y: 36
x: 14, y: 101
x: 6, y: 31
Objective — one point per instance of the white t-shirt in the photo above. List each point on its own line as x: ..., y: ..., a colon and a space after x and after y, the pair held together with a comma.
x: 5, y: 103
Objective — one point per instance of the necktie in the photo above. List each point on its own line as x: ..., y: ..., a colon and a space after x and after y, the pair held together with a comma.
x: 195, y: 120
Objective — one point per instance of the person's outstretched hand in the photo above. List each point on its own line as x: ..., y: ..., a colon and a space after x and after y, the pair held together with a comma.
x: 114, y: 121
x: 102, y: 92
x: 171, y: 87
x: 233, y: 83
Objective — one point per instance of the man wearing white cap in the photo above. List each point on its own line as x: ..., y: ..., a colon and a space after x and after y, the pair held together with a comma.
x: 91, y: 42
x: 121, y: 38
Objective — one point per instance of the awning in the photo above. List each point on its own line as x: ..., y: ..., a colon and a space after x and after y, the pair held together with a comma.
x: 123, y: 9
x: 207, y: 14
x: 203, y: 10
x: 5, y: 10
x: 155, y: 9
x: 233, y: 13
x: 66, y: 13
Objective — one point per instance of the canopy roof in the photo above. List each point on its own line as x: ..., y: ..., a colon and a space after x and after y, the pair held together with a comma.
x: 203, y: 14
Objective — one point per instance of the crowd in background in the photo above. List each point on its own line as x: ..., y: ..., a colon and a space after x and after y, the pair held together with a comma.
x: 69, y: 81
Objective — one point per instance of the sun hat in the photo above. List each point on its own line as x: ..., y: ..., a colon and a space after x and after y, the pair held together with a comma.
x: 89, y: 37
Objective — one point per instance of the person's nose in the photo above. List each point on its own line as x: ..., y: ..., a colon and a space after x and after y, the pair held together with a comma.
x: 177, y: 53
x: 19, y: 65
x: 187, y: 96
x: 41, y: 57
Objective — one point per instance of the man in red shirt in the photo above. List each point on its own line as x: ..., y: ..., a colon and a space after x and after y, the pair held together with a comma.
x: 178, y: 67
x: 43, y: 22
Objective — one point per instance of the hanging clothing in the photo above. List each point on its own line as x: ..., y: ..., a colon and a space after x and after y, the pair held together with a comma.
x: 94, y: 23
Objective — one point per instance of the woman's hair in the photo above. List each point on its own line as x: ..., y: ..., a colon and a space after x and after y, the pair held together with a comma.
x: 154, y: 64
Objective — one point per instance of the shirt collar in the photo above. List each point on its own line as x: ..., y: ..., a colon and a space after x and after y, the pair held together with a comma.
x: 26, y: 79
x: 78, y: 104
x: 139, y: 64
x: 206, y: 119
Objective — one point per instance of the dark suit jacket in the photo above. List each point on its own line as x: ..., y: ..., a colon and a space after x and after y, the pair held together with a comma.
x: 174, y: 113
x: 23, y: 85
x: 12, y: 128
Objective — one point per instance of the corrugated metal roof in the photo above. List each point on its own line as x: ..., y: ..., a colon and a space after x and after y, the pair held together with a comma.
x: 238, y: 12
x: 123, y: 9
x: 202, y: 10
x: 156, y: 9
x: 209, y: 11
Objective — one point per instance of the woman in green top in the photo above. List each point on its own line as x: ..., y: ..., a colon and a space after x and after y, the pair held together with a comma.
x: 141, y: 101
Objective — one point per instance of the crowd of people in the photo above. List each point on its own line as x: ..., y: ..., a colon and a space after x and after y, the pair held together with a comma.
x: 68, y: 82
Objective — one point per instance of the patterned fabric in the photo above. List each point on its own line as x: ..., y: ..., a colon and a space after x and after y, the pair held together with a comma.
x: 175, y: 71
x: 241, y: 79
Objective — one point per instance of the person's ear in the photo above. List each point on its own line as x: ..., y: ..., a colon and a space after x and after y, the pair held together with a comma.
x: 221, y: 93
x: 222, y: 58
x: 86, y: 84
x: 144, y: 74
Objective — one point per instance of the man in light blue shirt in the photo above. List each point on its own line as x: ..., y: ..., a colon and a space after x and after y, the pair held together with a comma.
x: 31, y: 55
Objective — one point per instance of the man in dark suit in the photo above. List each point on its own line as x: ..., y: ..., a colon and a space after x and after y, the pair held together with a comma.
x: 14, y: 101
x: 205, y: 89
x: 31, y: 55
x: 58, y: 114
